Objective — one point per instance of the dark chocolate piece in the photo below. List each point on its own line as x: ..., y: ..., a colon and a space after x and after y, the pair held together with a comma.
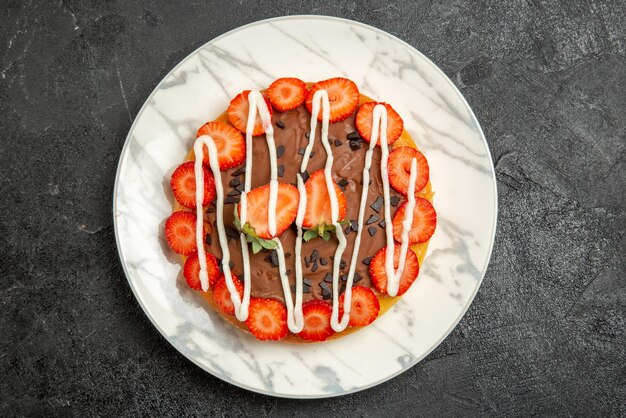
x: 230, y: 200
x: 210, y: 209
x: 343, y: 182
x: 328, y: 278
x: 382, y: 224
x: 314, y: 267
x: 347, y: 230
x: 369, y: 182
x: 312, y: 154
x: 367, y: 260
x: 280, y: 170
x: 354, y: 135
x: 372, y: 219
x: 301, y: 151
x: 234, y: 182
x: 274, y: 258
x: 239, y: 171
x: 378, y: 204
x: 280, y: 124
x: 240, y: 187
x: 287, y: 255
x: 355, y: 144
x: 208, y: 239
x: 343, y: 277
x: 306, y: 289
x: 323, y: 261
x: 306, y: 281
x: 338, y: 143
x: 342, y: 289
x: 315, y: 255
x: 305, y: 175
x: 354, y: 225
x: 372, y: 230
x: 233, y: 192
x: 356, y: 278
x: 307, y: 134
x: 394, y: 200
x: 287, y: 272
x: 280, y: 150
x: 231, y: 264
x: 342, y: 264
x: 307, y: 263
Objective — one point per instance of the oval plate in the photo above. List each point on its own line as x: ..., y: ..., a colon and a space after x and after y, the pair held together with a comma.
x: 311, y: 48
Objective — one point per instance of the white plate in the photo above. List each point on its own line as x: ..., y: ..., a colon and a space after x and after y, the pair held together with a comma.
x: 311, y: 48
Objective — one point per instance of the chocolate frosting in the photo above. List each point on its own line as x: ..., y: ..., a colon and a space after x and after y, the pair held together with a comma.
x: 348, y: 165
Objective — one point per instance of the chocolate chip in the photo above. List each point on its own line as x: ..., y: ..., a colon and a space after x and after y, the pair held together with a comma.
x: 239, y: 188
x: 343, y: 277
x: 306, y: 289
x: 274, y: 258
x: 239, y: 171
x: 377, y: 205
x: 382, y: 224
x: 326, y: 293
x: 280, y: 124
x: 357, y: 278
x: 234, y: 192
x: 307, y: 134
x: 367, y: 260
x: 312, y: 154
x: 338, y: 143
x: 306, y: 281
x: 210, y: 209
x: 347, y: 231
x: 343, y: 289
x: 328, y: 278
x: 301, y: 151
x: 372, y: 219
x: 394, y: 200
x: 315, y: 255
x: 231, y: 200
x: 369, y: 183
x: 231, y: 264
x: 268, y: 258
x: 355, y: 144
x: 280, y: 150
x: 307, y: 263
x: 234, y: 182
x: 372, y: 230
x: 343, y: 182
x: 314, y: 267
x: 354, y: 225
x: 280, y: 170
x: 305, y: 175
x: 208, y: 239
x: 288, y: 272
x: 354, y: 135
x: 323, y: 261
x: 342, y: 264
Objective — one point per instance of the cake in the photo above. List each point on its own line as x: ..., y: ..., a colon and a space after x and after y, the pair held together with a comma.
x: 292, y: 204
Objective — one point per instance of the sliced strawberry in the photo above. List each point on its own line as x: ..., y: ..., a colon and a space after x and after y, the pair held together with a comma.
x: 399, y: 168
x: 364, y: 117
x: 343, y: 96
x: 183, y: 184
x: 180, y: 232
x: 222, y: 295
x: 364, y: 307
x: 379, y: 277
x: 238, y: 114
x: 424, y: 221
x: 191, y: 270
x: 316, y: 321
x: 230, y: 144
x: 286, y: 208
x: 286, y: 93
x: 267, y: 319
x: 318, y: 201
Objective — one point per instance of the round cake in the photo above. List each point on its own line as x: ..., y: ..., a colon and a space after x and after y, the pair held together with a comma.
x: 308, y: 214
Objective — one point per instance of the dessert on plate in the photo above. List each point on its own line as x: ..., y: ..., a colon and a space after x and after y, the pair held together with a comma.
x: 303, y: 212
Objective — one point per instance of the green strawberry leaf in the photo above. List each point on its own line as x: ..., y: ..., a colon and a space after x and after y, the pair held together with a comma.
x: 310, y: 234
x: 256, y: 246
x: 268, y: 244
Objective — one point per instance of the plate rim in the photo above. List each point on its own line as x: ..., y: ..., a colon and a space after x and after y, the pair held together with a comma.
x: 473, y: 118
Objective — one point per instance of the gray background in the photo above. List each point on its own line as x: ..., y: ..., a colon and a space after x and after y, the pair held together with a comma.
x: 545, y: 335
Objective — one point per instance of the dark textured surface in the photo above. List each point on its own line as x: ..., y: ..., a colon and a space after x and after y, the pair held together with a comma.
x: 545, y: 335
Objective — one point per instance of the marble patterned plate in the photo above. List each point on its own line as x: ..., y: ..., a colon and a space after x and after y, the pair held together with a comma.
x: 311, y: 48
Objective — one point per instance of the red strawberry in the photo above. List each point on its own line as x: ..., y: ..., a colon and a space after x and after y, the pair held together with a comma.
x: 180, y: 232
x: 222, y: 295
x: 286, y: 93
x: 286, y: 208
x: 343, y: 96
x: 183, y: 184
x: 364, y: 308
x: 267, y: 319
x: 230, y: 144
x: 238, y: 114
x: 424, y: 221
x: 318, y: 201
x: 379, y: 277
x: 316, y: 321
x: 191, y: 270
x: 399, y: 168
x: 395, y: 125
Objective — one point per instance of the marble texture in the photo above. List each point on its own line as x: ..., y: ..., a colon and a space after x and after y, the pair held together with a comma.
x: 545, y: 333
x: 311, y: 48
